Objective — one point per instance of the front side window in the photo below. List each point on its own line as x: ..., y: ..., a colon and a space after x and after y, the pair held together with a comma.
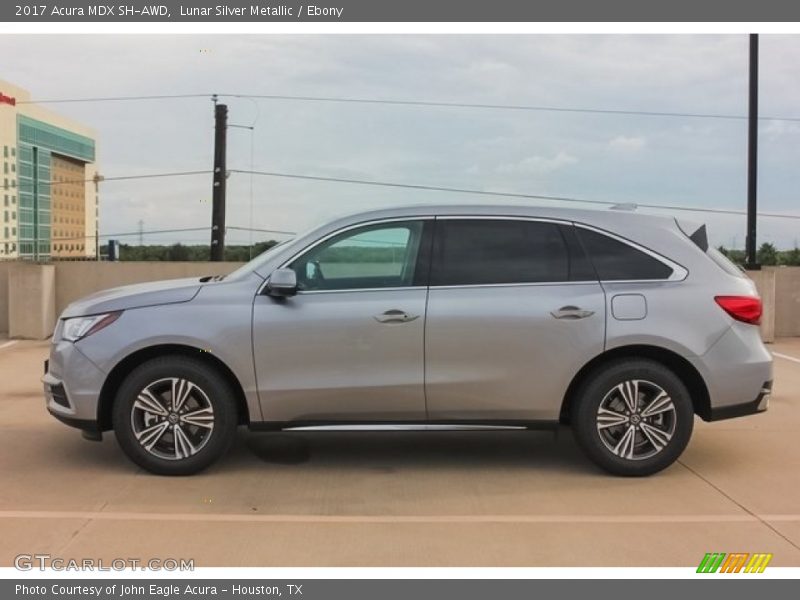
x: 617, y: 261
x: 498, y: 251
x: 374, y: 256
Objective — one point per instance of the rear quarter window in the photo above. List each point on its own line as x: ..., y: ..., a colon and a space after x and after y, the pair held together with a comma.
x: 617, y: 261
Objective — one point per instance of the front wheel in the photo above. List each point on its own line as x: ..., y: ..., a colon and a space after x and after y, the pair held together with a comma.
x: 633, y: 417
x: 174, y: 415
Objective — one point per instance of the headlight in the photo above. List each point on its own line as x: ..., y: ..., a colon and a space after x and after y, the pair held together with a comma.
x: 77, y: 328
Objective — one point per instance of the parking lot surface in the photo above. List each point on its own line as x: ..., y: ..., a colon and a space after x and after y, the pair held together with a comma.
x: 399, y: 498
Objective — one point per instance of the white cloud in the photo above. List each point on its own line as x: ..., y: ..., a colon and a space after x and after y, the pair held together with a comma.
x: 776, y: 129
x: 623, y: 143
x: 537, y: 165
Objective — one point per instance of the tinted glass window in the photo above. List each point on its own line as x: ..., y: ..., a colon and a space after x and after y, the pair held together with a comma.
x: 474, y: 252
x: 580, y: 268
x: 615, y: 260
x: 373, y: 256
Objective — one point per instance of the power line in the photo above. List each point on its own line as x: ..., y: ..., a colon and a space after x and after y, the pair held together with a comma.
x: 258, y: 230
x: 422, y: 103
x: 130, y: 233
x: 456, y: 190
x: 163, y: 231
x: 113, y: 98
x: 421, y: 187
x: 520, y: 107
x: 114, y: 178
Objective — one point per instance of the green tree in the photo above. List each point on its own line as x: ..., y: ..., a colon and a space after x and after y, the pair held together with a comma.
x: 736, y: 256
x: 790, y: 258
x: 767, y: 254
x: 182, y: 252
x: 178, y: 252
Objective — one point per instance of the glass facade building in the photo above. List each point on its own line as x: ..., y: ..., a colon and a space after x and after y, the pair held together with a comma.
x: 50, y: 192
x: 37, y: 143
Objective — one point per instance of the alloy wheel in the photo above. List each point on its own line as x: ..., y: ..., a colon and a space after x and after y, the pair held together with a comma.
x: 636, y: 419
x: 172, y: 418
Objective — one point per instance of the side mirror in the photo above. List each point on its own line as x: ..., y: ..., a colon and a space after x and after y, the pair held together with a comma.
x: 282, y: 283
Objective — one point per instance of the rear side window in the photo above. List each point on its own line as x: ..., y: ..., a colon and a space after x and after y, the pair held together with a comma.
x: 616, y: 261
x: 497, y: 251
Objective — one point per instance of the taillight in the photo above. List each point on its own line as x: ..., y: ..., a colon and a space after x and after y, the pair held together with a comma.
x: 746, y: 309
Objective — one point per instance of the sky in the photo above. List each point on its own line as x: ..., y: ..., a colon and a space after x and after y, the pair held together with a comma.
x: 696, y: 162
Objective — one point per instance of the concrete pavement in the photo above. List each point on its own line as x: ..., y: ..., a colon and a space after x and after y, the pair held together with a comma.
x: 399, y: 498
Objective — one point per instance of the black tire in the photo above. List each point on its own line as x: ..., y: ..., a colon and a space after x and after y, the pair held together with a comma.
x: 632, y: 447
x: 195, y: 446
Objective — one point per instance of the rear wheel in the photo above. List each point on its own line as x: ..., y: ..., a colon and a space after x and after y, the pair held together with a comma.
x: 633, y: 417
x: 174, y: 416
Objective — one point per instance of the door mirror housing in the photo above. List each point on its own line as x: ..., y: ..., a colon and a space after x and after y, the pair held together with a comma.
x: 282, y: 283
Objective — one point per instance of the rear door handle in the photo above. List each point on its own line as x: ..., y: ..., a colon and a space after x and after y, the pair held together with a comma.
x: 395, y: 316
x: 571, y: 313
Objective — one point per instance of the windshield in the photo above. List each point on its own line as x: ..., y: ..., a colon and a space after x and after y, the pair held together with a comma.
x: 255, y: 263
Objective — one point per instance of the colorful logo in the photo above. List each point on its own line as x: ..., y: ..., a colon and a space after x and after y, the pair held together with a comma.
x: 737, y: 562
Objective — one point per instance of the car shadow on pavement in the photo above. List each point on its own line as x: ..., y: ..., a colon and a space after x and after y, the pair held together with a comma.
x: 391, y: 451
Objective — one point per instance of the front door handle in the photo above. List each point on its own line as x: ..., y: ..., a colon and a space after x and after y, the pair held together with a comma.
x: 571, y: 313
x: 395, y: 316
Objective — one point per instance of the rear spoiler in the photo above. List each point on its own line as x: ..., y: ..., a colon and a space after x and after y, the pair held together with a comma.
x: 699, y: 234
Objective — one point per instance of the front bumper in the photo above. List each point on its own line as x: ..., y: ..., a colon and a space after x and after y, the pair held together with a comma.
x: 758, y: 405
x: 72, y: 385
x: 89, y: 429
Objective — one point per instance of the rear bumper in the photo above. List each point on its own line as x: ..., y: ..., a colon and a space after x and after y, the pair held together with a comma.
x: 737, y: 371
x: 758, y: 405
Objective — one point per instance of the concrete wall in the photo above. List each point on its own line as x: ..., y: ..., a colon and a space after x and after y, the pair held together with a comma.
x: 31, y: 301
x: 779, y: 288
x: 787, y: 301
x: 4, y: 268
x: 765, y: 281
x: 80, y: 278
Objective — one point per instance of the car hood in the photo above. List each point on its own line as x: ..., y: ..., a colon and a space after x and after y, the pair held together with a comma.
x: 135, y: 296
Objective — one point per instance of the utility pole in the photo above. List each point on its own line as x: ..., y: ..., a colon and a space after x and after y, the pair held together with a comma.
x: 751, y: 258
x: 220, y: 175
x: 141, y: 232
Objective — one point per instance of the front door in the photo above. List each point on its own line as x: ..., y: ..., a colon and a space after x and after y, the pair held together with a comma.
x: 514, y: 311
x: 349, y: 346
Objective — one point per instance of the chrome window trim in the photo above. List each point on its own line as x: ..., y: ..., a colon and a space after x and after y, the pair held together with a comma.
x: 679, y: 272
x: 374, y: 289
x: 345, y: 229
x: 504, y: 218
x: 514, y: 285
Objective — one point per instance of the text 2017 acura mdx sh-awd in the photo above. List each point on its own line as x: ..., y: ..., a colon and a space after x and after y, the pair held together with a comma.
x: 622, y: 325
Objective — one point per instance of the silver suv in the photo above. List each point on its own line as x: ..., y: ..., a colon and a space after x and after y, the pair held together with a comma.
x: 620, y: 324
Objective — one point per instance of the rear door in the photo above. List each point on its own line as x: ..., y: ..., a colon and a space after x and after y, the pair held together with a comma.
x: 514, y: 311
